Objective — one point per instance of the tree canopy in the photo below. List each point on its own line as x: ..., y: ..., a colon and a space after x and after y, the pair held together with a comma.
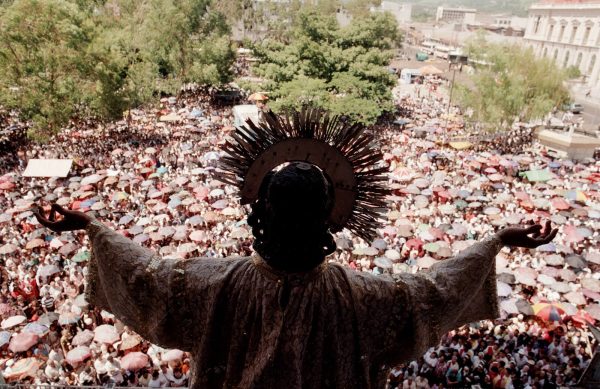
x: 511, y: 84
x: 343, y: 70
x: 58, y: 57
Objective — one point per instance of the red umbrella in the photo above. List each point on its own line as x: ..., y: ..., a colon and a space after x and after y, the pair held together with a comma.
x: 414, y: 243
x: 22, y: 341
x: 571, y: 234
x: 560, y: 204
x: 78, y: 355
x: 582, y: 317
x: 522, y: 196
x: 6, y: 185
x: 134, y: 361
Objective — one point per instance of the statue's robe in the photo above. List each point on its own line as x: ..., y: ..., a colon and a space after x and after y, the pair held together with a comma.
x: 247, y: 325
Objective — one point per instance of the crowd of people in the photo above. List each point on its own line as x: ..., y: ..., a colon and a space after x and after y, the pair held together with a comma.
x: 149, y: 178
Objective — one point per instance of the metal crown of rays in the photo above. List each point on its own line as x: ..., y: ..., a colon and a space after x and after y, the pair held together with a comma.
x: 346, y: 153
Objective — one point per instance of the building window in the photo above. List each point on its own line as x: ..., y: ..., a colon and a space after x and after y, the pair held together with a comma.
x: 536, y: 26
x: 573, y: 33
x: 555, y: 56
x: 566, y: 60
x: 579, y: 58
x: 586, y: 36
x: 550, y: 31
x: 591, y: 65
x: 562, y: 33
x: 545, y: 52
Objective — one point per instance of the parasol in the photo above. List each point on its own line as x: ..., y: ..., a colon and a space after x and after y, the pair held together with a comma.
x: 26, y: 367
x: 134, y: 361
x: 258, y: 97
x: 78, y: 355
x: 548, y: 311
x: 68, y: 318
x: 82, y: 338
x: 130, y: 342
x: 22, y: 341
x: 13, y: 321
x: 36, y: 328
x: 106, y: 333
x: 4, y: 338
x: 8, y: 248
x: 173, y: 355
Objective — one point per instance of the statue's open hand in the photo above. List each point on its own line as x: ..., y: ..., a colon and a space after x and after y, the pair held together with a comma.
x: 529, y: 237
x: 71, y: 220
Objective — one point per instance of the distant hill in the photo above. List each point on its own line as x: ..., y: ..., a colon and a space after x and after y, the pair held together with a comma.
x: 515, y: 7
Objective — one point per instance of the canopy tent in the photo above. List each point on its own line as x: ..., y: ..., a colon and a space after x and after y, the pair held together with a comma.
x: 48, y: 168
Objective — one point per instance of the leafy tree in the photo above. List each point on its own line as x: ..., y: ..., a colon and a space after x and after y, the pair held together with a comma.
x: 511, y: 84
x: 44, y: 68
x: 97, y: 57
x: 341, y: 69
x: 572, y: 72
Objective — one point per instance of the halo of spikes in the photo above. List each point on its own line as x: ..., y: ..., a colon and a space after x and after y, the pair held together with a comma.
x: 250, y: 141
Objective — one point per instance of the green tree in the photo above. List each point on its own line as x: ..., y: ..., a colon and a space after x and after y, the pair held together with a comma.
x: 44, y: 68
x: 511, y: 84
x: 96, y: 57
x: 343, y: 70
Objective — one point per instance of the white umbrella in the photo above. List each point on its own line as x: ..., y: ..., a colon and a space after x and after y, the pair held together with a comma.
x: 13, y: 321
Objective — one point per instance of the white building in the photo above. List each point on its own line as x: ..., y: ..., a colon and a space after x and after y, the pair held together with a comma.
x: 401, y: 11
x: 509, y: 21
x: 569, y: 33
x: 455, y: 15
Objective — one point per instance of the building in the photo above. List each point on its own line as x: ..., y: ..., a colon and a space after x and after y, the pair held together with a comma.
x: 456, y: 15
x: 509, y: 21
x: 401, y: 11
x: 568, y: 32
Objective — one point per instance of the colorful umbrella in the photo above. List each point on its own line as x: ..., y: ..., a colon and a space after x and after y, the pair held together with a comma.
x: 576, y: 195
x: 36, y: 328
x: 26, y: 367
x: 4, y: 337
x: 548, y: 311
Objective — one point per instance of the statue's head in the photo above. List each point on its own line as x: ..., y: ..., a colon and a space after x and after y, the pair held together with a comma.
x: 289, y: 219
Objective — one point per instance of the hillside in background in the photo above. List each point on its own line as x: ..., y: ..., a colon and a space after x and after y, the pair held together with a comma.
x: 422, y: 8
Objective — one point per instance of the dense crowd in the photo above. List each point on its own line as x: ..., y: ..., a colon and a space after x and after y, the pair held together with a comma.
x: 149, y: 177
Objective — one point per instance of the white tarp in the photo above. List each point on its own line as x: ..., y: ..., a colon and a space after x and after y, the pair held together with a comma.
x: 243, y: 112
x: 48, y: 168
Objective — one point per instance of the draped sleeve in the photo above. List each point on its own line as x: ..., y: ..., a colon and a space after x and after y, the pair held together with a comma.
x: 144, y: 291
x: 403, y: 315
x: 450, y: 294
